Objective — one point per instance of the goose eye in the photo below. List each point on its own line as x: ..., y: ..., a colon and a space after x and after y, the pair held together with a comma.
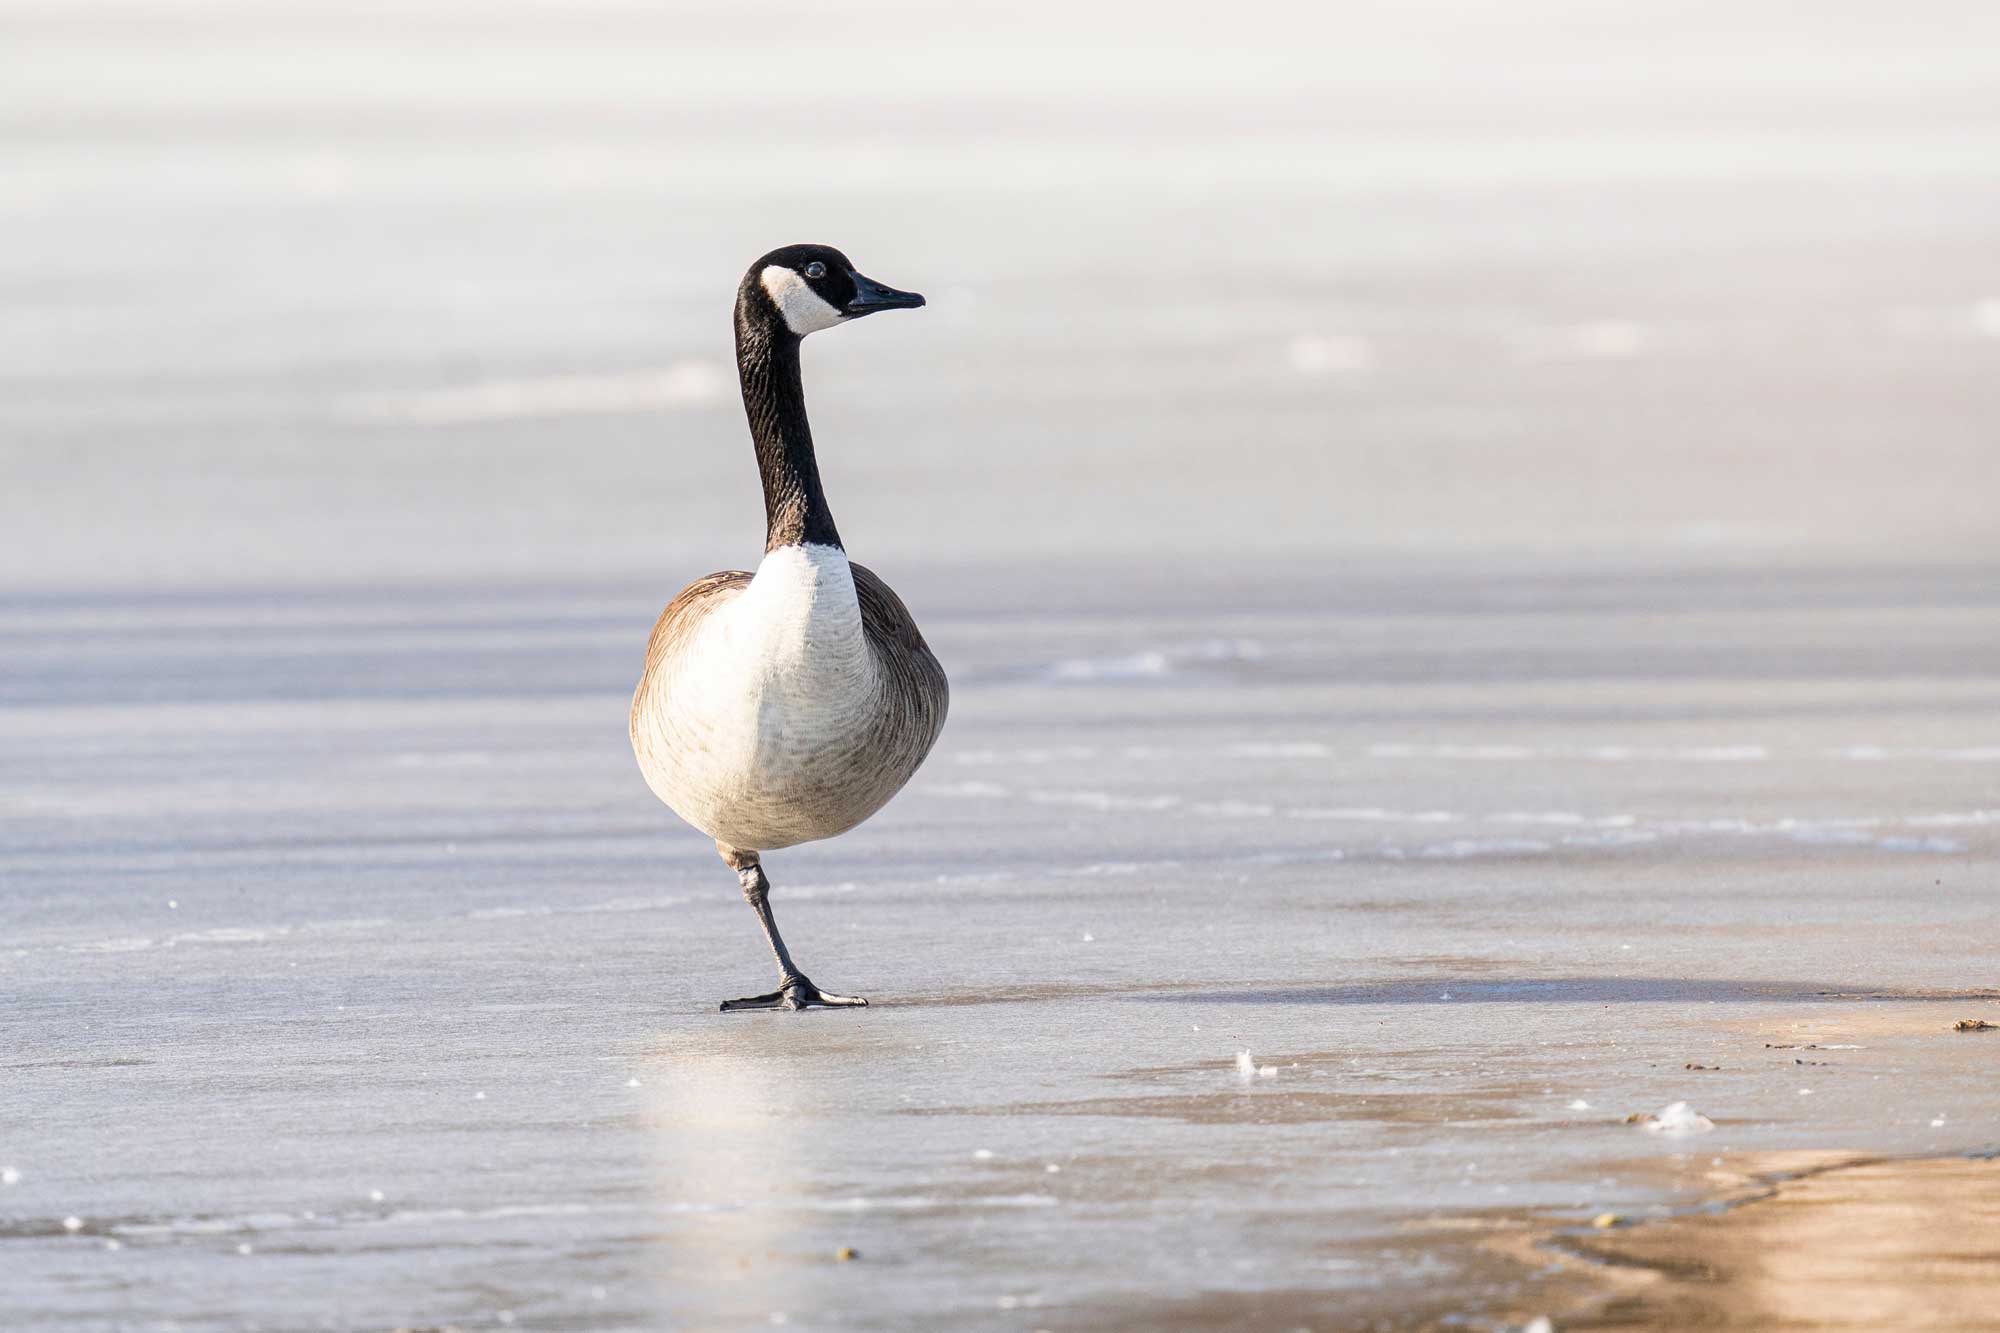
x: 815, y: 269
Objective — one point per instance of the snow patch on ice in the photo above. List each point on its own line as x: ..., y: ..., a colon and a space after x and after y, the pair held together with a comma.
x: 1280, y: 750
x: 1373, y: 815
x: 926, y: 1203
x: 1676, y: 1120
x: 1696, y: 754
x: 686, y: 384
x: 961, y: 789
x: 1400, y: 751
x: 1935, y: 846
x: 1316, y: 354
x: 1954, y: 819
x: 1591, y: 340
x: 645, y: 904
x: 1154, y: 663
x: 1462, y: 847
x: 1136, y: 666
x: 1958, y: 754
x: 1233, y: 809
x: 443, y: 759
x: 1056, y: 754
x: 797, y: 892
x: 230, y: 935
x: 1249, y: 1071
x: 1610, y: 838
x: 1101, y: 800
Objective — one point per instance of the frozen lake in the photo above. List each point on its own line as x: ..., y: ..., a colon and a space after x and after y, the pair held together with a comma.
x: 1467, y: 566
x: 347, y: 934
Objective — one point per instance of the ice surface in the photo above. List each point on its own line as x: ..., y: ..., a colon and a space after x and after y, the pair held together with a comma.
x: 1388, y: 542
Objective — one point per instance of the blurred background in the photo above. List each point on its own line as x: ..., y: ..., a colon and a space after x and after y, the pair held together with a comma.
x: 381, y: 293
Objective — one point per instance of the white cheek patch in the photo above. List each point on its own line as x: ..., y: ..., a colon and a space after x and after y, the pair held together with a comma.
x: 804, y: 310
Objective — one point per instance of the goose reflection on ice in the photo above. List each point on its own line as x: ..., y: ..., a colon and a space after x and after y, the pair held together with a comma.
x: 736, y: 1156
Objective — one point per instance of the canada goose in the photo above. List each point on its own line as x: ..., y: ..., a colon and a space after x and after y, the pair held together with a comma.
x: 790, y: 704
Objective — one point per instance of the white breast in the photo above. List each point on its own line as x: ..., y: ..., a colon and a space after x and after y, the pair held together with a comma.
x: 753, y: 728
x: 797, y: 627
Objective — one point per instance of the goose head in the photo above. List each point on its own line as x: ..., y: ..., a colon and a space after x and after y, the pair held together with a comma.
x: 806, y: 288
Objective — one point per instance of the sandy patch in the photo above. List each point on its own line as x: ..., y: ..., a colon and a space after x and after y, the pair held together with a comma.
x: 1792, y: 1241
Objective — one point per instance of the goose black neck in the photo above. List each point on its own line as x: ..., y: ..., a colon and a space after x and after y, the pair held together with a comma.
x: 774, y: 398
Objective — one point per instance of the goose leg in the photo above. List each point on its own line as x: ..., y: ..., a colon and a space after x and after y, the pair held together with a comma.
x: 795, y: 990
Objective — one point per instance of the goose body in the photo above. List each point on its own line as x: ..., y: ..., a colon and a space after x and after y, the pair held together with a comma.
x: 785, y: 706
x: 789, y: 704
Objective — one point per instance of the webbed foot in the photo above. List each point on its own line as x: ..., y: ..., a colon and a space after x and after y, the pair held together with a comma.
x: 797, y: 993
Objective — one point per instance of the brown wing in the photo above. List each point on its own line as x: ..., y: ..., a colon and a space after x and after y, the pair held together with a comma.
x: 917, y: 683
x: 694, y: 604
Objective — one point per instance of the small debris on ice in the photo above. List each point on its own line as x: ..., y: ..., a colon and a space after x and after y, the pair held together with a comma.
x: 1249, y: 1070
x: 1973, y: 1025
x: 1605, y: 1221
x: 1709, y: 1069
x: 1676, y: 1119
x: 846, y: 1253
